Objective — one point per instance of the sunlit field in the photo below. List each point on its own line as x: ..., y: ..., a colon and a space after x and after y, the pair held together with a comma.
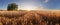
x: 33, y: 17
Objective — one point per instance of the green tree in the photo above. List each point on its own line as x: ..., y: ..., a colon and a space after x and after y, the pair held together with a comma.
x: 12, y: 7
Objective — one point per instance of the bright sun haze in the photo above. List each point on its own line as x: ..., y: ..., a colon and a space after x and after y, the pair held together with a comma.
x: 28, y: 7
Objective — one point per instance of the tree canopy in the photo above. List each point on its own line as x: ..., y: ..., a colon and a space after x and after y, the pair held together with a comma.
x: 12, y: 6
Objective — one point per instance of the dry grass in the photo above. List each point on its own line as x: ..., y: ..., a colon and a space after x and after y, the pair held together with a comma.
x: 29, y: 18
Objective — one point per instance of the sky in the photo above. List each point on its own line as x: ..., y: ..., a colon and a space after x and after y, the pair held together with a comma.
x: 32, y: 4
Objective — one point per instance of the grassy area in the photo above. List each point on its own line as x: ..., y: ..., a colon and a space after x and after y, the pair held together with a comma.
x: 29, y: 17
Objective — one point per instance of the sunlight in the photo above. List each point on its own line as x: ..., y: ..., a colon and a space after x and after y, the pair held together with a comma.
x: 28, y: 7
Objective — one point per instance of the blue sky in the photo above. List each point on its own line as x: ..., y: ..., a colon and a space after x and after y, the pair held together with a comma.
x: 44, y: 4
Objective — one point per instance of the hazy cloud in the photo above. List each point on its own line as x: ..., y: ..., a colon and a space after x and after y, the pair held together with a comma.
x: 46, y: 1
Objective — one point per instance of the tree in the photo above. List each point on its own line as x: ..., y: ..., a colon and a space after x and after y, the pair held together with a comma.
x: 12, y: 6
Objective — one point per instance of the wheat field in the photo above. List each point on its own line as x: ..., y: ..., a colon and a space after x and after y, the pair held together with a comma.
x: 29, y: 18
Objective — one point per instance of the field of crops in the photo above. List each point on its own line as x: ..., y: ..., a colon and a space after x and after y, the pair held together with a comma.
x: 29, y: 17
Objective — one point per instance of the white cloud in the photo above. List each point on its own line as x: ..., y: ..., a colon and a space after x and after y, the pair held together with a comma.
x: 46, y: 1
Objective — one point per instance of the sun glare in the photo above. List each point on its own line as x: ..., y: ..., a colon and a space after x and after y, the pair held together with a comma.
x: 28, y: 7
